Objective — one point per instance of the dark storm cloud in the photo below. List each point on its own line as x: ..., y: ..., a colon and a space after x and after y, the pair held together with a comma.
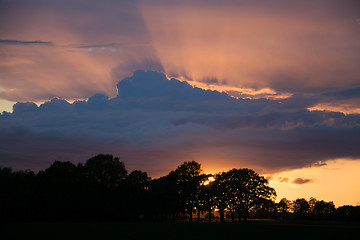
x: 344, y: 94
x: 18, y: 42
x: 45, y: 43
x: 155, y: 121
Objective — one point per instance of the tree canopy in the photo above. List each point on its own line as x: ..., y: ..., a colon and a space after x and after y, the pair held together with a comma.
x: 101, y: 188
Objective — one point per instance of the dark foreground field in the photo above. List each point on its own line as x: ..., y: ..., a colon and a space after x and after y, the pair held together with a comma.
x: 114, y: 230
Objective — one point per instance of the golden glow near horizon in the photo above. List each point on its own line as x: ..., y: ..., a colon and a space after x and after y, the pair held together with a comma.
x: 334, y: 180
x: 337, y: 181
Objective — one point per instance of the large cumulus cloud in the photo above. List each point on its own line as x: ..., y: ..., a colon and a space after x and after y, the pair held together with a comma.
x: 155, y: 123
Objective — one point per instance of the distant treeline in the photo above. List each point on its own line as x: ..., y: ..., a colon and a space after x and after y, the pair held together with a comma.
x: 102, y: 189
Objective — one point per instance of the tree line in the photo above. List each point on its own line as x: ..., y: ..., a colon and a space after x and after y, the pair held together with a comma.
x: 102, y: 189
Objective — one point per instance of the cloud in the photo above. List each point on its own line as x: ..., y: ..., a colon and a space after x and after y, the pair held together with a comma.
x: 348, y: 93
x: 273, y: 46
x: 18, y: 42
x: 344, y: 100
x: 128, y: 67
x: 154, y: 121
x: 301, y: 181
x: 64, y: 70
x: 112, y: 47
x: 98, y: 45
x: 283, y: 179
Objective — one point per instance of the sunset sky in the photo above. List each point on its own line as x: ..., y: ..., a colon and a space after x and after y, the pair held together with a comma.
x: 268, y: 85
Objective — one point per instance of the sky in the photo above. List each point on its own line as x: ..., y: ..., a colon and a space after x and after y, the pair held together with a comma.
x: 268, y: 85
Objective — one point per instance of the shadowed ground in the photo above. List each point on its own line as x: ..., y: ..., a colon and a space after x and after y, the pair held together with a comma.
x: 121, y: 230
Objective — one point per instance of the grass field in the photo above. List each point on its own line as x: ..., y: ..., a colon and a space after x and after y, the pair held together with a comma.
x: 120, y: 230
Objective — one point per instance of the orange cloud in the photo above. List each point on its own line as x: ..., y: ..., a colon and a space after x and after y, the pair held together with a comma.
x: 252, y: 47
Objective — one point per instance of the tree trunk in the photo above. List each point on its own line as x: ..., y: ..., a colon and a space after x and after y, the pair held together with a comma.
x: 232, y: 216
x: 245, y: 216
x: 190, y: 219
x: 209, y: 214
x: 239, y: 215
x: 198, y: 214
x: 222, y: 219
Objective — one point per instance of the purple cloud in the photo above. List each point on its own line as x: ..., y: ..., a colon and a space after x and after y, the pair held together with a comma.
x: 155, y: 123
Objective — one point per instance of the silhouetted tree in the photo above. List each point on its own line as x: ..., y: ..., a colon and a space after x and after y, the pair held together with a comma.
x: 106, y: 170
x: 188, y: 183
x: 207, y: 195
x: 165, y: 197
x: 16, y: 194
x: 247, y: 189
x: 266, y: 208
x: 137, y: 180
x: 135, y: 186
x: 283, y: 207
x: 60, y: 191
x: 199, y: 197
x: 222, y: 194
x: 321, y: 209
x: 60, y: 175
x: 301, y: 207
x: 348, y: 213
x: 101, y: 189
